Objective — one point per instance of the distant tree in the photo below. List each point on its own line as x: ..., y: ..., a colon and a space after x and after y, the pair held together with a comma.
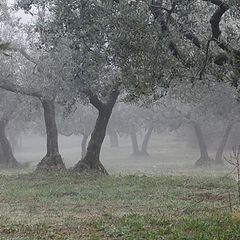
x: 25, y: 120
x: 113, y: 127
x: 226, y: 110
x: 9, y: 106
x: 134, y: 121
x: 207, y: 104
x: 11, y: 114
x: 78, y: 122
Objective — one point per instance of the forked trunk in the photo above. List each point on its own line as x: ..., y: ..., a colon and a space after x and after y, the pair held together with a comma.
x: 91, y: 161
x: 113, y: 137
x: 52, y: 160
x: 84, y: 145
x: 219, y: 155
x: 7, y: 160
x: 146, y: 139
x: 135, y: 148
x: 204, y: 158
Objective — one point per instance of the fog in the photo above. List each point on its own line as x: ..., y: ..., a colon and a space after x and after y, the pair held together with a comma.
x: 172, y: 152
x: 119, y: 119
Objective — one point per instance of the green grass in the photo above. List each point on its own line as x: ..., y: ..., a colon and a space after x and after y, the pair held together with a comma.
x: 66, y: 206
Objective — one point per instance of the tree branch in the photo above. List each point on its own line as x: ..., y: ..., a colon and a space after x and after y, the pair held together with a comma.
x: 156, y: 10
x: 193, y: 38
x: 215, y: 22
x: 93, y: 98
x: 18, y: 89
x: 217, y: 16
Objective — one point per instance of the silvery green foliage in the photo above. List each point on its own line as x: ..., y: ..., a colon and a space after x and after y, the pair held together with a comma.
x: 110, y: 43
x: 4, y: 13
x: 4, y: 18
x: 35, y: 72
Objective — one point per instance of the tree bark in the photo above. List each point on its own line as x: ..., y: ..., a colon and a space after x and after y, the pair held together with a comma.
x: 135, y: 147
x: 91, y: 161
x: 146, y: 139
x: 113, y: 137
x: 52, y: 160
x: 219, y: 154
x: 7, y: 160
x: 84, y: 145
x: 204, y: 158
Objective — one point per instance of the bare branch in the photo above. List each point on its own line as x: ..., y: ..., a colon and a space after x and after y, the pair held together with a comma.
x: 215, y: 25
x: 217, y: 16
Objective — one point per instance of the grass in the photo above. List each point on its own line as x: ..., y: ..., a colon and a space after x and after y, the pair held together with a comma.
x: 67, y: 206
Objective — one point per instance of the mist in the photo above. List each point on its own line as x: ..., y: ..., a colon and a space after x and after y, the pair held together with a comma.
x: 119, y: 119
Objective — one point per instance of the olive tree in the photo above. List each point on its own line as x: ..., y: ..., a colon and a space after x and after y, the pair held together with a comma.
x: 33, y: 68
x: 112, y: 45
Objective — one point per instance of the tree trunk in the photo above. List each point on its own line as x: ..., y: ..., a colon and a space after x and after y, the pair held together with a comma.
x: 92, y: 158
x: 113, y: 137
x: 218, y: 158
x: 52, y: 160
x: 135, y: 147
x: 146, y: 139
x: 84, y: 145
x: 91, y: 161
x: 204, y: 158
x: 7, y: 160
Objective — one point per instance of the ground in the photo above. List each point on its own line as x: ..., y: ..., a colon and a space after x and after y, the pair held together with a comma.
x: 67, y: 206
x: 164, y: 197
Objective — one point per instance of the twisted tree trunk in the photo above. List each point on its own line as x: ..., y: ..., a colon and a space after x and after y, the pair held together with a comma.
x: 204, y: 158
x: 219, y: 155
x: 7, y: 160
x: 52, y: 160
x: 91, y: 161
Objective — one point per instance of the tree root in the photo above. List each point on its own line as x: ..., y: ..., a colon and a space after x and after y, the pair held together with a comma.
x: 84, y: 166
x: 51, y: 163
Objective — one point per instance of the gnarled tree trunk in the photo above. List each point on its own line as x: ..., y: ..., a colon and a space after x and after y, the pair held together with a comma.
x: 204, y: 158
x: 219, y: 155
x: 91, y: 161
x: 146, y: 139
x: 52, y: 160
x: 7, y: 160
